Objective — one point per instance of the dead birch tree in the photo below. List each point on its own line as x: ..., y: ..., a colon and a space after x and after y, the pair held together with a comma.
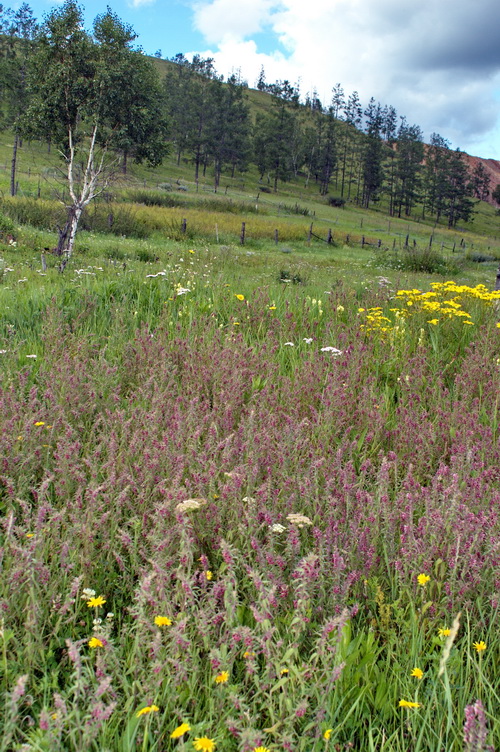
x: 97, y: 99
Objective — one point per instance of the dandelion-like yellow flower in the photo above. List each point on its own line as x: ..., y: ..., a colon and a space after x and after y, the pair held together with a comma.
x: 327, y: 734
x: 272, y: 307
x: 148, y: 709
x: 434, y: 322
x: 29, y: 535
x: 417, y: 673
x: 96, y: 602
x: 444, y: 632
x: 95, y: 642
x: 498, y: 325
x: 248, y: 654
x: 407, y: 704
x: 204, y: 744
x: 236, y: 323
x: 40, y: 423
x: 209, y: 575
x: 222, y: 677
x: 163, y: 621
x: 240, y: 297
x: 284, y: 671
x: 261, y: 749
x: 180, y: 731
x: 479, y: 646
x: 423, y: 579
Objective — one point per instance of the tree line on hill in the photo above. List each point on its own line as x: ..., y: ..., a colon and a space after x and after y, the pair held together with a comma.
x: 100, y: 102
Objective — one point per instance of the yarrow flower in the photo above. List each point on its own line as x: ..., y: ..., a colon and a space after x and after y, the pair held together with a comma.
x: 190, y: 505
x: 180, y: 731
x: 222, y: 677
x: 479, y: 646
x: 299, y: 519
x: 423, y: 579
x: 96, y: 602
x: 148, y: 709
x: 417, y: 673
x: 163, y: 621
x: 407, y: 704
x: 277, y: 528
x: 204, y: 744
x: 95, y: 642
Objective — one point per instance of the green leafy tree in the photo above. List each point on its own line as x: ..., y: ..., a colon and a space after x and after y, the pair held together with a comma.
x: 481, y: 182
x: 84, y: 89
x: 408, y: 163
x: 17, y: 31
x: 372, y: 157
x: 495, y: 194
x: 276, y: 136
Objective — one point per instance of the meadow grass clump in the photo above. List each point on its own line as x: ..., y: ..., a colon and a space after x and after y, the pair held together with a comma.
x: 240, y: 516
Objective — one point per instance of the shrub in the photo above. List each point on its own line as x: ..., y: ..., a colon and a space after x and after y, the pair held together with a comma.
x: 6, y: 225
x: 336, y: 201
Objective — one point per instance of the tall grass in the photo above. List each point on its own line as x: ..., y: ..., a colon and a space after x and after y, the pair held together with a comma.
x: 343, y: 509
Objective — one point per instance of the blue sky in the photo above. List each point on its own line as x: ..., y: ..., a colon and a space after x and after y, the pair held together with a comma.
x: 436, y: 61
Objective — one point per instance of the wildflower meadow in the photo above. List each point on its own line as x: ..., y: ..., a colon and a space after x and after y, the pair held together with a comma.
x: 246, y: 515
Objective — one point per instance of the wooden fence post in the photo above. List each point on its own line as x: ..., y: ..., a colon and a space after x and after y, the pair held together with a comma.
x: 184, y: 226
x: 309, y: 234
x: 329, y: 236
x: 276, y: 237
x: 242, y: 234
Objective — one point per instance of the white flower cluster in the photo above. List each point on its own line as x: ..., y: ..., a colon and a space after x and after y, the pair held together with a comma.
x: 189, y: 505
x: 298, y: 519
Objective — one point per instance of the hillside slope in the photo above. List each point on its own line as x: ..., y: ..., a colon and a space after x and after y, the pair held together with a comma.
x: 492, y: 166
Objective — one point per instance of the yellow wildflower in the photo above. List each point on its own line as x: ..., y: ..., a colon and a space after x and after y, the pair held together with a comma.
x: 222, y: 677
x: 204, y: 744
x: 417, y: 673
x: 148, y: 709
x: 327, y: 734
x: 272, y: 307
x: 30, y: 535
x: 444, y: 631
x: 180, y: 730
x: 479, y: 646
x: 407, y: 704
x: 434, y: 322
x: 261, y: 749
x: 423, y: 579
x: 40, y: 423
x: 163, y: 621
x: 95, y: 642
x: 96, y: 602
x: 209, y: 575
x: 248, y: 654
x: 284, y: 671
x: 236, y: 323
x: 240, y: 297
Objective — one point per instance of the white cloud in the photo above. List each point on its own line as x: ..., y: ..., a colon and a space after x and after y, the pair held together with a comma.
x: 229, y: 19
x: 140, y: 3
x: 436, y: 61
